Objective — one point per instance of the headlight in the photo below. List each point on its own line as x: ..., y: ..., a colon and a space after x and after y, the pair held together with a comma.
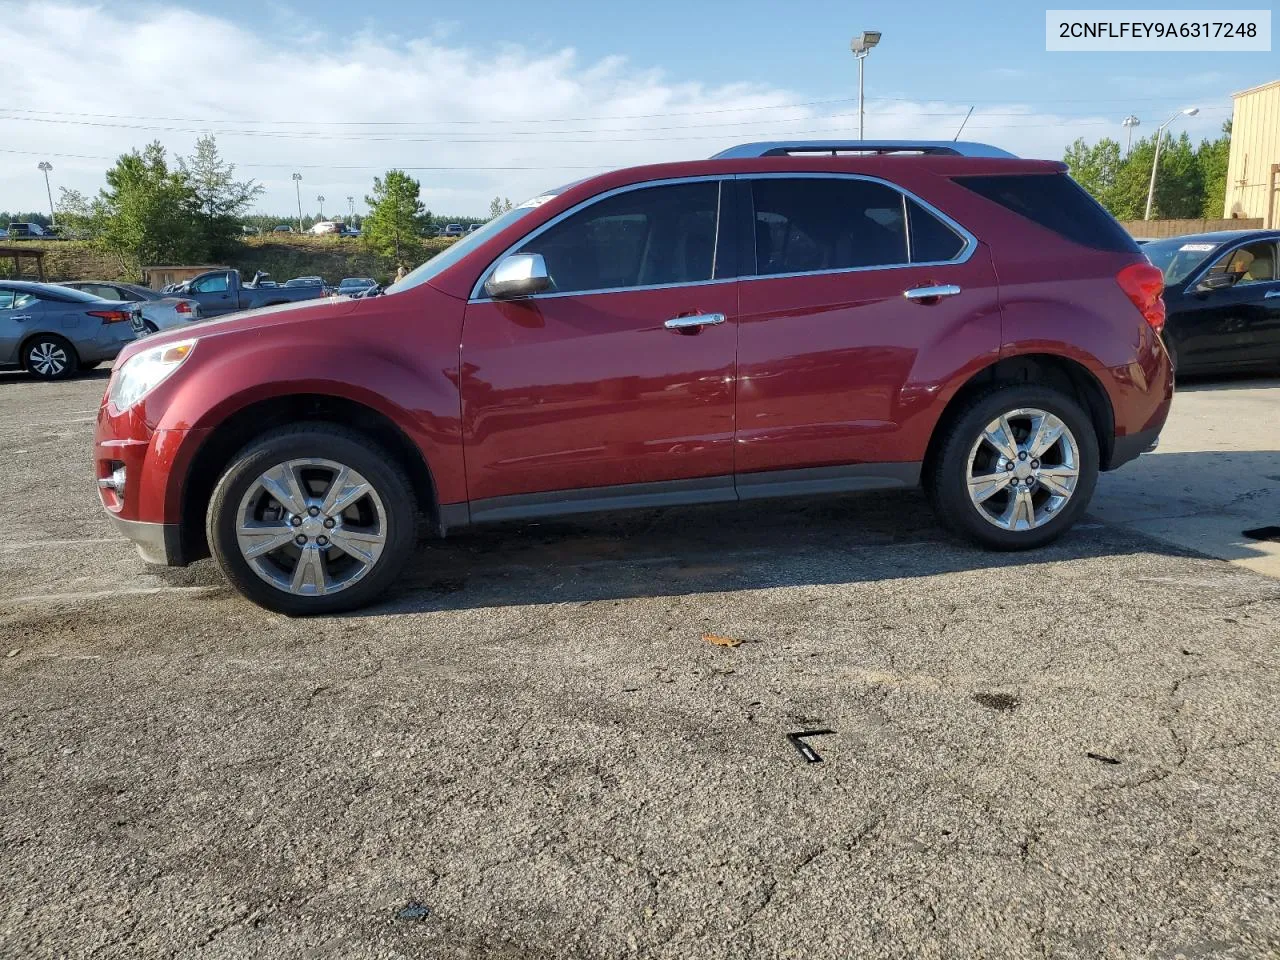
x: 145, y: 371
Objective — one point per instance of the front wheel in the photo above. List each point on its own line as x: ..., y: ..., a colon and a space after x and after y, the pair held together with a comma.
x: 312, y: 519
x: 1016, y: 468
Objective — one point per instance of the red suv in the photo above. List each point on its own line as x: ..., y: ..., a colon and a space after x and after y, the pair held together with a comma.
x: 783, y: 319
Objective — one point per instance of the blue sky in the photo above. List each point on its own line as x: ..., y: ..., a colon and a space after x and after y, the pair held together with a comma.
x: 337, y: 96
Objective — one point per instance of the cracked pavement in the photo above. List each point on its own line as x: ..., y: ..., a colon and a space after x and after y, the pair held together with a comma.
x: 531, y: 738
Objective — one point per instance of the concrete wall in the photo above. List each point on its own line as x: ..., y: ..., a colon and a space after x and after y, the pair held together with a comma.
x: 1253, y: 172
x: 1156, y: 229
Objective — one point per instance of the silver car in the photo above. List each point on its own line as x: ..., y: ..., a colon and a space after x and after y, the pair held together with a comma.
x: 54, y: 332
x: 159, y: 312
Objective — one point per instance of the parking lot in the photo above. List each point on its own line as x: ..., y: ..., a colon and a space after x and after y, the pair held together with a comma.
x: 1068, y: 753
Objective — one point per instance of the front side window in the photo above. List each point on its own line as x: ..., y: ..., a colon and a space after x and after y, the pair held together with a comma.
x: 216, y: 284
x: 805, y: 225
x: 639, y: 238
x: 1252, y: 263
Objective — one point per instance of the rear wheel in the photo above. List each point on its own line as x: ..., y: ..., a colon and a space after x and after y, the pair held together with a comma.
x: 50, y: 357
x: 1016, y: 469
x: 312, y: 519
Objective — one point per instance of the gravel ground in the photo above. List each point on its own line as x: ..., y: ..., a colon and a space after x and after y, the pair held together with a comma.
x: 1070, y: 753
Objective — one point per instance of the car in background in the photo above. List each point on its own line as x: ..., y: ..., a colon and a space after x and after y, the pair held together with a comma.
x: 781, y: 320
x: 54, y: 332
x: 349, y: 231
x: 221, y: 291
x: 350, y: 286
x: 322, y: 227
x: 282, y: 228
x: 451, y: 230
x: 472, y: 228
x: 29, y: 231
x: 1222, y: 299
x: 305, y: 282
x: 158, y: 312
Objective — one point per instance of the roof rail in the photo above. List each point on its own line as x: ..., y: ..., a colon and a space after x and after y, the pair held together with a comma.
x: 787, y: 148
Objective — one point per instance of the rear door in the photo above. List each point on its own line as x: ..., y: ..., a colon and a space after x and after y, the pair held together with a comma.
x: 588, y: 389
x: 861, y: 300
x: 18, y: 317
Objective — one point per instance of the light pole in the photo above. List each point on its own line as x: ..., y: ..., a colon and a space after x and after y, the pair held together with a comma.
x: 1151, y: 190
x: 297, y: 186
x: 861, y: 45
x: 1129, y: 123
x: 45, y: 166
x: 320, y: 200
x: 351, y: 207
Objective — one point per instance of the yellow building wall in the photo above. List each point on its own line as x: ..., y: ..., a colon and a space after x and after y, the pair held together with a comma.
x: 1255, y: 149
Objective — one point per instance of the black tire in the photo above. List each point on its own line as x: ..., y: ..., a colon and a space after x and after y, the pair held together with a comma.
x: 150, y: 327
x: 316, y: 441
x: 48, y: 356
x: 946, y: 477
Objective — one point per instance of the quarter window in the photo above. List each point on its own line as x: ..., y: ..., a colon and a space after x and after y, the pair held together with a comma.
x: 639, y: 238
x: 15, y: 300
x: 932, y: 241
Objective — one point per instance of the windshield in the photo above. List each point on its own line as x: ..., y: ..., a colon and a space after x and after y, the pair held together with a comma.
x: 1179, y: 258
x: 460, y: 248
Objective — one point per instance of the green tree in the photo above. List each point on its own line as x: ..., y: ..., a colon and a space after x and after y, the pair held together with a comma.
x: 397, y: 216
x: 147, y: 213
x: 498, y: 206
x: 1212, y: 155
x: 220, y: 198
x: 1096, y: 168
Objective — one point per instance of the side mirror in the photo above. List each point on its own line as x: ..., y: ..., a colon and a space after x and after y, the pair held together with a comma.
x: 519, y: 275
x: 1218, y: 281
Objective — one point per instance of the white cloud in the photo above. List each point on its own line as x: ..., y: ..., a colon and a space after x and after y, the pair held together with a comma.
x: 442, y: 104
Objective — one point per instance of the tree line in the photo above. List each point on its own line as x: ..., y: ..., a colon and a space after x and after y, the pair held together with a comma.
x: 193, y: 209
x: 1191, y: 182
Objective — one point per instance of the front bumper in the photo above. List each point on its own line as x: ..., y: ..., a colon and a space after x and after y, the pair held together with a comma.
x: 158, y: 543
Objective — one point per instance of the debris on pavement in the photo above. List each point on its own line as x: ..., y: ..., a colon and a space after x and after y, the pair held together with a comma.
x: 13, y: 653
x: 1004, y: 702
x: 720, y: 641
x: 1101, y: 758
x: 413, y: 911
x: 797, y: 740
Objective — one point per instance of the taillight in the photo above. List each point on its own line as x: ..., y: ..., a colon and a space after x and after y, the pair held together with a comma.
x: 112, y: 316
x: 1143, y: 284
x: 182, y: 307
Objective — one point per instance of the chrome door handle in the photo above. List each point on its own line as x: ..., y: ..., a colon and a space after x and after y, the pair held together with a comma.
x: 1266, y: 296
x: 931, y: 293
x: 22, y: 317
x: 697, y: 320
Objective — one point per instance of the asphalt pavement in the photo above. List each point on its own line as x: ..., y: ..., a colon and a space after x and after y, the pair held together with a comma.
x: 529, y: 750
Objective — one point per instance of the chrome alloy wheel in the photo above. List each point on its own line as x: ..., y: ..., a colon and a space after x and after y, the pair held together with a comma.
x: 1023, y: 468
x: 47, y: 358
x: 311, y: 527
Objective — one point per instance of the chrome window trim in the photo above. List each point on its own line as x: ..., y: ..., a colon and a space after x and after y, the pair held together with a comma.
x: 967, y: 251
x: 1226, y: 249
x: 477, y: 289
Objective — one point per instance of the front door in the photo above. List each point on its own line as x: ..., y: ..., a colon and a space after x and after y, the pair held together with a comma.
x: 619, y: 381
x: 18, y: 311
x: 853, y: 282
x: 1239, y: 324
x: 214, y: 294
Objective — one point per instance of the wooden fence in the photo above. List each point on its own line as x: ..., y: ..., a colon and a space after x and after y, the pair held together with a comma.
x: 1156, y: 229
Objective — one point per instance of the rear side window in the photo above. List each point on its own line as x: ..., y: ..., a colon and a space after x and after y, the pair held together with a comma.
x: 1057, y: 203
x: 639, y: 238
x: 806, y: 225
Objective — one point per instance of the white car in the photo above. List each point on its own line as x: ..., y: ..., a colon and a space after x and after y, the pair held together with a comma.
x: 159, y: 312
x: 326, y: 226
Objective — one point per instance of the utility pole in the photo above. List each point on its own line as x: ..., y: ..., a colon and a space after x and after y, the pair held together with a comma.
x: 351, y: 207
x: 297, y: 185
x: 45, y: 166
x: 320, y: 200
x: 1155, y: 164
